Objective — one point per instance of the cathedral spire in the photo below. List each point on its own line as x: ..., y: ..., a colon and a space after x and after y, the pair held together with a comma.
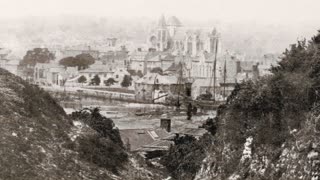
x: 162, y: 22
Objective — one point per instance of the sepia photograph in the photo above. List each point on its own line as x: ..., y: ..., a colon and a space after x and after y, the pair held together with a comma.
x: 159, y: 90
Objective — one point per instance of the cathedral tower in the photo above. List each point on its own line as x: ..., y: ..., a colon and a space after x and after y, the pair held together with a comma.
x: 162, y: 34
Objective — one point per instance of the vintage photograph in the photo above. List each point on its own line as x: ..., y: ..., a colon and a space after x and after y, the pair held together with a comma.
x: 159, y: 90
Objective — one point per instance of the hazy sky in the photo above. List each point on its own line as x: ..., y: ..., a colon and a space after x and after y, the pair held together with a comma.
x: 269, y: 11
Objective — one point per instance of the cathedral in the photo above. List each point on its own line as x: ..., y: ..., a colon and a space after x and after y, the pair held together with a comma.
x: 171, y: 35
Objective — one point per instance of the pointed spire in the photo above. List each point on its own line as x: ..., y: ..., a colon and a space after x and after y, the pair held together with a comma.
x: 162, y: 21
x: 214, y: 31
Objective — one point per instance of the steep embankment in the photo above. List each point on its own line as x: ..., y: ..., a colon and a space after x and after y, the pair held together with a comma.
x: 34, y: 130
x: 39, y: 141
x: 268, y: 129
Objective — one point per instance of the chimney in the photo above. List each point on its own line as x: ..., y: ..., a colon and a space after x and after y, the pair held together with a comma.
x: 238, y: 67
x: 165, y: 123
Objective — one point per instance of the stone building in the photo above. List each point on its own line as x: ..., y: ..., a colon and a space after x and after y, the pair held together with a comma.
x: 172, y: 35
x: 152, y: 84
x: 114, y: 60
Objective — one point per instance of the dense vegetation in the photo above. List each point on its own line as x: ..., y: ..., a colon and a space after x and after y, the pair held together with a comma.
x: 82, y: 79
x: 103, y: 148
x: 82, y: 61
x: 109, y: 82
x: 37, y: 55
x: 127, y: 81
x: 32, y: 57
x: 95, y: 80
x: 268, y: 110
x: 180, y: 160
x: 34, y: 133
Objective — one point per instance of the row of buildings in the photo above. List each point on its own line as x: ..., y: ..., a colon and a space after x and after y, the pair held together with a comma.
x: 181, y: 53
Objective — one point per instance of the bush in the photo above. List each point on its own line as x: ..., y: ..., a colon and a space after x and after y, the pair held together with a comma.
x: 109, y: 82
x: 82, y: 79
x: 102, y: 152
x: 126, y: 81
x: 104, y: 148
x: 184, y: 159
x: 95, y: 80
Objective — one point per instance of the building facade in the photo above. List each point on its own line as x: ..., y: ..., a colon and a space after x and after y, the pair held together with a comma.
x: 171, y: 35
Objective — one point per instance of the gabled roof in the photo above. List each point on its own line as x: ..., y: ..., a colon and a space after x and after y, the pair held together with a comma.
x: 168, y: 57
x: 175, y: 67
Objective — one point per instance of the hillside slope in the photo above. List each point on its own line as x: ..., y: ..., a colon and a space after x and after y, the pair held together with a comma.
x: 39, y: 141
x: 33, y: 131
x: 268, y: 129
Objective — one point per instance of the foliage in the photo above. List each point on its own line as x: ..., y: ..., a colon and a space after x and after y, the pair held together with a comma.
x: 186, y: 156
x: 37, y: 55
x: 102, y: 152
x: 156, y: 70
x: 127, y: 81
x: 109, y: 82
x: 135, y: 73
x: 32, y: 57
x: 104, y: 148
x: 95, y: 80
x: 82, y: 79
x: 267, y: 109
x: 82, y: 61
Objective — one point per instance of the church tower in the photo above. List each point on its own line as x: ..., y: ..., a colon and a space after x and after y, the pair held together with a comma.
x: 173, y: 24
x: 162, y: 34
x: 212, y: 42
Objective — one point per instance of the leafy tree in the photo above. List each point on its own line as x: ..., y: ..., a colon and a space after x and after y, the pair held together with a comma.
x: 95, y: 80
x: 37, y: 55
x: 127, y: 81
x: 135, y: 73
x: 68, y: 61
x: 82, y: 61
x: 32, y: 57
x: 109, y: 82
x: 157, y: 70
x: 82, y: 79
x: 139, y: 73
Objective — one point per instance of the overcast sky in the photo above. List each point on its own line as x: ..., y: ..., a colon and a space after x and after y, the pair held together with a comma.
x: 269, y: 11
